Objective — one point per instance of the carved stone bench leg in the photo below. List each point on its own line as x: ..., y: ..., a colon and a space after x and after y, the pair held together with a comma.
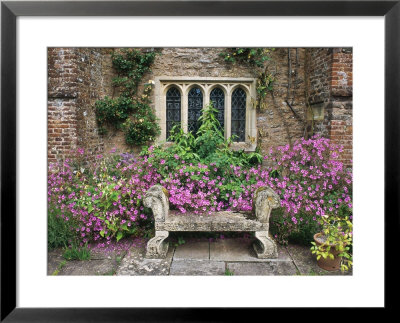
x: 157, y: 248
x: 265, y: 247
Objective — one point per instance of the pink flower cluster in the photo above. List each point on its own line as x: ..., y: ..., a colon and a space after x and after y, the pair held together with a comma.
x: 307, y: 176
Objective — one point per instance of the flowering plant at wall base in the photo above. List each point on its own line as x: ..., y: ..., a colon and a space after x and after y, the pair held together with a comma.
x: 103, y: 201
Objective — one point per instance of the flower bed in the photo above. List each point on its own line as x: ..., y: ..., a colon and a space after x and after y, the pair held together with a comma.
x: 201, y: 174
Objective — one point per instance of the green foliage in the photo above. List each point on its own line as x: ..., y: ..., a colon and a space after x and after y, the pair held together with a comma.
x: 255, y: 57
x: 59, y: 232
x: 180, y: 241
x: 115, y: 227
x: 265, y: 84
x: 208, y: 147
x: 60, y: 266
x: 252, y: 56
x: 286, y: 231
x: 142, y: 127
x: 228, y: 272
x: 130, y: 112
x: 74, y: 252
x: 131, y: 65
x: 338, y: 234
x: 114, y: 111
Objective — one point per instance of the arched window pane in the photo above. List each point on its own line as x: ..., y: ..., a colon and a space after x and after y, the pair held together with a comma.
x: 238, y: 120
x: 173, y: 109
x: 217, y: 97
x: 195, y: 104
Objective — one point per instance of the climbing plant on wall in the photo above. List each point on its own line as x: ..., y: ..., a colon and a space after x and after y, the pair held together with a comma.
x: 255, y: 57
x: 130, y: 111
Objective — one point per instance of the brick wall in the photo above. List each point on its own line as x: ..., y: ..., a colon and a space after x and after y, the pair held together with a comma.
x: 77, y: 77
x: 330, y: 93
x: 62, y: 96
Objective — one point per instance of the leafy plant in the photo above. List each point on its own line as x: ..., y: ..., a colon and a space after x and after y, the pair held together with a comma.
x: 252, y: 56
x: 228, y: 272
x: 129, y: 111
x: 59, y: 267
x: 180, y: 241
x: 337, y: 234
x: 59, y: 233
x: 75, y: 252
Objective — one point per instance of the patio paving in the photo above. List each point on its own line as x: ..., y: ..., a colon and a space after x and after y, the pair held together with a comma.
x: 232, y: 256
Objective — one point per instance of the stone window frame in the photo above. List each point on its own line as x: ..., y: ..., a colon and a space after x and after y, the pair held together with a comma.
x: 206, y: 85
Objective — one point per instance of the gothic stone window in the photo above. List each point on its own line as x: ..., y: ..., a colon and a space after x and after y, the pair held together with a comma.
x: 173, y: 109
x: 217, y: 97
x: 238, y: 119
x: 180, y: 100
x: 195, y: 104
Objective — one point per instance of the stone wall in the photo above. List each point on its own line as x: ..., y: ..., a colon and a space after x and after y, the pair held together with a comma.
x: 282, y: 121
x: 306, y: 79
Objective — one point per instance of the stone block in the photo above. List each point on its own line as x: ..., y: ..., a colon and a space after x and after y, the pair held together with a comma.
x: 270, y: 268
x: 240, y: 250
x: 197, y: 268
x: 193, y: 250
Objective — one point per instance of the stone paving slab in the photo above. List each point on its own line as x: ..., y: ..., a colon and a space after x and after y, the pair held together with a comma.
x: 306, y: 262
x: 241, y: 250
x: 197, y: 268
x: 135, y: 263
x: 89, y: 267
x: 54, y: 259
x: 193, y: 249
x: 272, y: 268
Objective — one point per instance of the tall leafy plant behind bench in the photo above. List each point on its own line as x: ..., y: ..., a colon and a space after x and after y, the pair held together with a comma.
x: 129, y: 111
x: 205, y: 156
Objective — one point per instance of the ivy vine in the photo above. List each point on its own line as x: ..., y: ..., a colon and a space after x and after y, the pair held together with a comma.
x: 255, y: 57
x: 129, y: 111
x: 252, y: 56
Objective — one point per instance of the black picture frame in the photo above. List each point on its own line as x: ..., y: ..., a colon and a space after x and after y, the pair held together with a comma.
x: 10, y: 10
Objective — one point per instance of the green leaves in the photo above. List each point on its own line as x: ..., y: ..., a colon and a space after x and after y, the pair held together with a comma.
x: 131, y: 65
x: 119, y: 235
x: 252, y: 56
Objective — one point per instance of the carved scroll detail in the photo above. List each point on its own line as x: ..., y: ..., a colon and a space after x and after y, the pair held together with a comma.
x: 264, y: 246
x: 157, y: 248
x: 157, y: 200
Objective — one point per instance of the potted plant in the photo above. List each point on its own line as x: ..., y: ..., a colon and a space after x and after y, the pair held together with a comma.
x: 333, y: 245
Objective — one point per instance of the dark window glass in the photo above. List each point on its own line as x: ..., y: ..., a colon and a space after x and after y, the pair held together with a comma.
x: 238, y: 120
x: 195, y: 104
x: 173, y: 109
x: 217, y: 97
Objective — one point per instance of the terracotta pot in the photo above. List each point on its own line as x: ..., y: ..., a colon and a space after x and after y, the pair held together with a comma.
x: 328, y: 263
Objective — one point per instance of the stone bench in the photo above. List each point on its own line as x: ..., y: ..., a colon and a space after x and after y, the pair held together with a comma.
x: 264, y: 200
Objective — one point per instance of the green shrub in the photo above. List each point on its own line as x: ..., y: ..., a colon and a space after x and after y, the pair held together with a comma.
x: 75, y: 252
x: 59, y: 231
x: 286, y: 231
x: 129, y: 111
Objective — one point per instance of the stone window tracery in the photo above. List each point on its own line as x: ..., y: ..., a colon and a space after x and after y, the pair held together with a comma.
x: 238, y: 118
x: 173, y: 98
x: 181, y: 99
x: 195, y: 104
x: 217, y: 97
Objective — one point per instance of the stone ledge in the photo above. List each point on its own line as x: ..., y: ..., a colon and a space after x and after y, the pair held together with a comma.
x: 221, y: 221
